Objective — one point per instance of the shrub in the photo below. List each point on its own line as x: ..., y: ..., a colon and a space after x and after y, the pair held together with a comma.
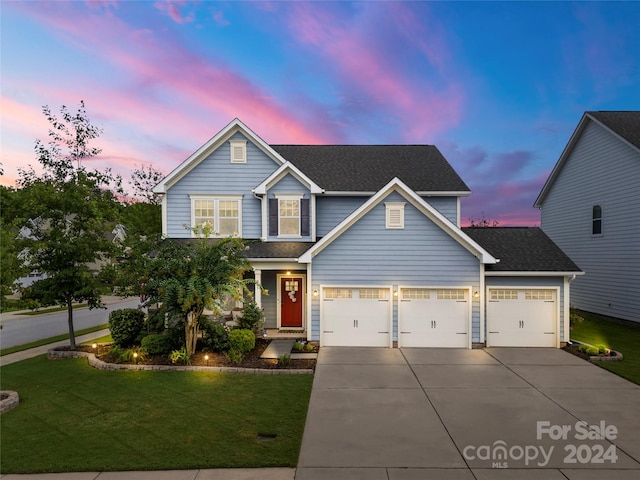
x: 242, y: 340
x: 127, y: 355
x: 602, y: 349
x: 156, y: 344
x: 589, y: 350
x: 251, y: 318
x: 308, y: 347
x: 284, y: 359
x: 125, y: 326
x: 215, y: 336
x: 234, y: 356
x: 575, y: 318
x: 180, y: 356
x: 298, y: 346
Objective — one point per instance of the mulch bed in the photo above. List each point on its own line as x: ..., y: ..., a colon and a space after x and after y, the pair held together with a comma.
x: 250, y: 360
x: 573, y: 349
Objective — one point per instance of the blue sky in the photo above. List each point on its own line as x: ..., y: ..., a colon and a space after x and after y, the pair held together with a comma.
x: 498, y: 87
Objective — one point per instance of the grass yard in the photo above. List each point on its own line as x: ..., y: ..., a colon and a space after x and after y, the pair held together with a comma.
x: 615, y: 334
x: 72, y: 417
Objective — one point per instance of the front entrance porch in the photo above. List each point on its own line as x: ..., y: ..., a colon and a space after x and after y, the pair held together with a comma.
x: 285, y: 301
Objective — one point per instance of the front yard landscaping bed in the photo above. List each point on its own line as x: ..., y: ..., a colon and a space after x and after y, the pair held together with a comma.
x: 72, y: 417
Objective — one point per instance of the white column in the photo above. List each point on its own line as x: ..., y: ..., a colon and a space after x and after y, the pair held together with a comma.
x: 258, y: 292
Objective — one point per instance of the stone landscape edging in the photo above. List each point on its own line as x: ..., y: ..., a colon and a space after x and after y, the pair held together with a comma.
x: 11, y: 401
x: 618, y: 357
x: 95, y: 362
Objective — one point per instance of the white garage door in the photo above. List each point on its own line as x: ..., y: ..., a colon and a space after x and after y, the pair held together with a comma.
x: 522, y: 317
x: 434, y: 317
x: 356, y: 317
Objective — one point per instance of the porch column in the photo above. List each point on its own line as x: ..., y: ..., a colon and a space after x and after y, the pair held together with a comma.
x: 258, y: 293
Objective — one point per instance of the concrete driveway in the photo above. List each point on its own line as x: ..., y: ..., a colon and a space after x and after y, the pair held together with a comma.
x: 498, y: 413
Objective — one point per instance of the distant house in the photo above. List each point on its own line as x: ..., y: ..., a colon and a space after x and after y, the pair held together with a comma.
x: 361, y: 245
x: 590, y: 207
x: 117, y: 235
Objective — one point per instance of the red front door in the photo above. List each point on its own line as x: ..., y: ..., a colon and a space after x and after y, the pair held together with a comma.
x: 291, y: 299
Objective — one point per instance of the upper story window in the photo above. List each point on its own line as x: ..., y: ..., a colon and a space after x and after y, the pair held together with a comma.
x: 238, y: 151
x: 596, y: 220
x: 223, y: 215
x: 289, y: 216
x: 394, y: 214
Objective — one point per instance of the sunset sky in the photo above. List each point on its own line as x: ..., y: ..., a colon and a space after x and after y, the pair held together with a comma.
x: 497, y: 87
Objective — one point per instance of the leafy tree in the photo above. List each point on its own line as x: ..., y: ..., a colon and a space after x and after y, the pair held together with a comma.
x: 189, y: 277
x: 71, y: 209
x: 142, y: 214
x: 12, y: 267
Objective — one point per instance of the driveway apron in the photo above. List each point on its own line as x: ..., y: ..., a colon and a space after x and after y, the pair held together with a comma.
x: 462, y: 414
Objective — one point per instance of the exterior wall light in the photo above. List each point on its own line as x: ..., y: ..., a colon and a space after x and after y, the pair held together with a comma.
x: 476, y: 294
x: 315, y: 292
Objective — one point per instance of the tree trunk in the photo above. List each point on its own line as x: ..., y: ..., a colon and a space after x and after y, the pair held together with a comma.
x: 191, y: 331
x: 72, y: 333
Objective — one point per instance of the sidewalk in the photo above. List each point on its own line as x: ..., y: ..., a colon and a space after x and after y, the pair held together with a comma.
x: 34, y: 352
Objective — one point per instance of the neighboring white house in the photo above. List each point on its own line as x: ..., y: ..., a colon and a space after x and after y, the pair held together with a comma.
x: 590, y: 208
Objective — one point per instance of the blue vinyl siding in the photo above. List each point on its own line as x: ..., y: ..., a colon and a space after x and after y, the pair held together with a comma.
x: 217, y: 175
x: 533, y: 282
x: 421, y: 254
x: 447, y: 206
x: 600, y: 170
x: 289, y: 185
x: 330, y: 211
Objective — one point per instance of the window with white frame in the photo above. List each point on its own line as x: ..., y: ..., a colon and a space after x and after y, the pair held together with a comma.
x: 394, y: 214
x: 238, y: 151
x: 222, y: 215
x: 289, y: 217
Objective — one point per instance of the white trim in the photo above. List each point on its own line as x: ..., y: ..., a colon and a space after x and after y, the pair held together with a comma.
x: 164, y: 215
x: 275, y: 264
x: 257, y: 296
x: 458, y: 212
x: 525, y: 287
x: 531, y: 274
x: 290, y: 197
x: 566, y: 313
x: 357, y: 286
x: 354, y: 193
x: 482, y: 300
x: 232, y: 147
x: 312, y: 216
x: 303, y: 297
x: 280, y: 173
x: 309, y: 305
x: 210, y: 146
x: 396, y: 185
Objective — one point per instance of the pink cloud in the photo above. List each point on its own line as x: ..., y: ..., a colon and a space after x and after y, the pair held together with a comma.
x: 172, y: 9
x: 348, y: 43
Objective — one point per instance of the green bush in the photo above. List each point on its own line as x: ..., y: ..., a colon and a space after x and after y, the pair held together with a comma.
x: 215, y: 336
x: 156, y: 344
x: 589, y: 350
x: 602, y: 349
x: 251, y: 318
x: 180, y: 357
x: 128, y: 355
x: 284, y: 359
x: 298, y: 346
x: 242, y: 340
x: 125, y: 326
x: 234, y: 356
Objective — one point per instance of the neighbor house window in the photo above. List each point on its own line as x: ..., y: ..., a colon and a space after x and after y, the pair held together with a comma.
x: 221, y: 214
x: 238, y: 151
x: 394, y: 214
x: 596, y: 220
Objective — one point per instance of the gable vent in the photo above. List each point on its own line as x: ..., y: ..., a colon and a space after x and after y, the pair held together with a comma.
x: 394, y: 214
x: 238, y: 151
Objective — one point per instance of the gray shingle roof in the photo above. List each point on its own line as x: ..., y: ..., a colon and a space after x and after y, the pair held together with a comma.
x: 368, y: 168
x: 277, y: 249
x: 624, y: 123
x: 521, y: 249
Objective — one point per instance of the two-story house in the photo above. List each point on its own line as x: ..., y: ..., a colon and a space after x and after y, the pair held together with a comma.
x: 361, y: 245
x: 590, y: 207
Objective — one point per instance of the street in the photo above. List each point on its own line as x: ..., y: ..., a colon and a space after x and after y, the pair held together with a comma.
x: 21, y: 329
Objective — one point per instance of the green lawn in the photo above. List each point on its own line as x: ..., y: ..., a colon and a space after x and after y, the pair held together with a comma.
x: 617, y: 335
x: 72, y: 417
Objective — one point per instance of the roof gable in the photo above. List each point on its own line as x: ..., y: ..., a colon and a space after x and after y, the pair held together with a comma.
x: 624, y: 125
x: 396, y: 185
x: 280, y: 173
x: 522, y: 249
x: 368, y: 168
x: 214, y: 143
